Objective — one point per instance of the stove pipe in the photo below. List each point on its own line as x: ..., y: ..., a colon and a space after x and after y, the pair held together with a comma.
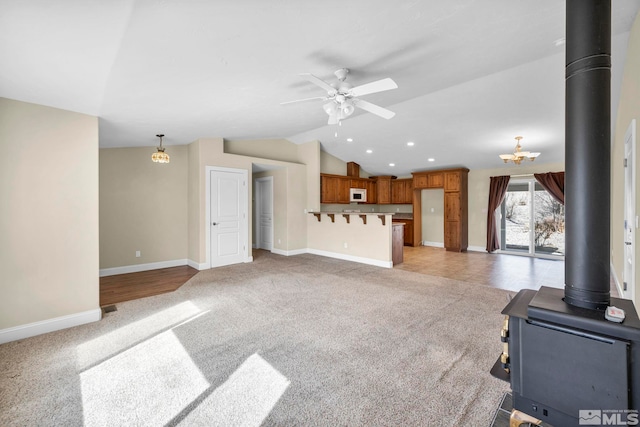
x: 587, y: 153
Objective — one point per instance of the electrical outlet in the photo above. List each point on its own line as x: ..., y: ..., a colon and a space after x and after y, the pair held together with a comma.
x: 345, y: 245
x: 279, y: 241
x: 137, y: 254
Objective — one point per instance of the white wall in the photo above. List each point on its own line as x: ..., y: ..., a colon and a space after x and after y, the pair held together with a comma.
x: 628, y: 109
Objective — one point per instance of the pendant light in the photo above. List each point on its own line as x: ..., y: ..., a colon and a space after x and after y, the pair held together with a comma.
x: 160, y: 156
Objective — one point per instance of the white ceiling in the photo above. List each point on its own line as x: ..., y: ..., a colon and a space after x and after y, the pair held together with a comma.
x: 471, y: 74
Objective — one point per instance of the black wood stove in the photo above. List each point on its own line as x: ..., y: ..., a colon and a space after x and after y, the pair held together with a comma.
x: 566, y: 362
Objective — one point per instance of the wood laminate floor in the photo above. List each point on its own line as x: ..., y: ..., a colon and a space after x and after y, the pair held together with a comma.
x: 127, y: 287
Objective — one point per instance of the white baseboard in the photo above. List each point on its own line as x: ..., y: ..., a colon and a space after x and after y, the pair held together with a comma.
x: 289, y: 253
x: 370, y: 261
x: 476, y: 249
x: 198, y: 266
x: 617, y: 282
x: 50, y: 325
x: 434, y: 244
x: 143, y: 267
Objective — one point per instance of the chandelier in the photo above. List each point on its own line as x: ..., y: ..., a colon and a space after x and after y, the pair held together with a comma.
x: 518, y: 155
x: 160, y: 156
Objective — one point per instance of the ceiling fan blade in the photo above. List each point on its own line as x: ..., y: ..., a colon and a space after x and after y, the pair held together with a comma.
x: 319, y: 82
x: 303, y: 100
x: 373, y: 108
x: 373, y: 87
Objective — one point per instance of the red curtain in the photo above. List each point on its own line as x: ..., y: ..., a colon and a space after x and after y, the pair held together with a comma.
x: 553, y: 182
x: 497, y: 190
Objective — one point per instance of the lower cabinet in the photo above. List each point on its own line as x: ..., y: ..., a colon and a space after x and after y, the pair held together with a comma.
x: 397, y: 243
x: 452, y: 236
x: 408, y: 230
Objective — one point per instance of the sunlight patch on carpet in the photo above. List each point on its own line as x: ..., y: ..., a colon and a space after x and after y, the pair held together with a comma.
x: 111, y: 343
x: 149, y: 384
x: 245, y: 399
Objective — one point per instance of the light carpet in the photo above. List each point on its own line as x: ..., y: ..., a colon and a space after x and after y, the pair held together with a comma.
x: 282, y: 341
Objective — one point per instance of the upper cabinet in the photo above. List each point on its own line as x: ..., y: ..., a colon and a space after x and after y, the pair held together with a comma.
x: 402, y: 191
x: 334, y: 189
x: 384, y: 189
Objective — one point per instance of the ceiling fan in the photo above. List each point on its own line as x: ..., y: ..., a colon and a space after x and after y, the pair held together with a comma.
x: 343, y: 98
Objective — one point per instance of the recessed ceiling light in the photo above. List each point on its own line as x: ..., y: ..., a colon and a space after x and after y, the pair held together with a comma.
x: 369, y: 151
x: 349, y: 139
x: 410, y: 143
x: 392, y: 164
x: 431, y: 159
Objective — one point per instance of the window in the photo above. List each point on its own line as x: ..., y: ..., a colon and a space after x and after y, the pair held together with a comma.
x: 532, y: 222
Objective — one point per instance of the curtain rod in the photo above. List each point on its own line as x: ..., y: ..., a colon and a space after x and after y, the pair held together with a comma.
x: 526, y: 175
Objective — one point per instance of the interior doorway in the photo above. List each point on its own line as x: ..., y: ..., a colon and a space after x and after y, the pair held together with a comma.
x: 263, y: 191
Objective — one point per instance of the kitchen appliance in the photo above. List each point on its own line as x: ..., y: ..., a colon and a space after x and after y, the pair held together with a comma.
x: 357, y: 195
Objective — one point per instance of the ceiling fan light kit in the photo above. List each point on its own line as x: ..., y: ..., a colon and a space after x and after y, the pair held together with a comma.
x: 518, y: 155
x: 160, y: 156
x: 343, y: 97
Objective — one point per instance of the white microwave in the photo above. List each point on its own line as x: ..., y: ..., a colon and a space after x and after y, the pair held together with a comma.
x: 357, y: 195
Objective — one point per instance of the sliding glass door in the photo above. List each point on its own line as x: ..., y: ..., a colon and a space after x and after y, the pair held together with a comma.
x: 532, y: 222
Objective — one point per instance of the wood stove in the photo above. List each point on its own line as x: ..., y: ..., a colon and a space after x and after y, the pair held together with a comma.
x: 567, y: 364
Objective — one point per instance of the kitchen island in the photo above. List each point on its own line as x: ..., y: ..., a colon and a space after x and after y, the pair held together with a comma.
x: 364, y: 237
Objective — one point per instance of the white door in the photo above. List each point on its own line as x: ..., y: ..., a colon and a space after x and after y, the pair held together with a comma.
x: 264, y: 212
x: 228, y: 217
x: 630, y: 219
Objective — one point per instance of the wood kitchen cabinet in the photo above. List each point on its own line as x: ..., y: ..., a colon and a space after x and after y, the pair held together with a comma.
x: 334, y: 188
x: 357, y: 183
x: 397, y: 243
x: 372, y: 191
x: 435, y: 180
x: 455, y: 185
x: 384, y: 189
x: 408, y: 230
x: 402, y: 191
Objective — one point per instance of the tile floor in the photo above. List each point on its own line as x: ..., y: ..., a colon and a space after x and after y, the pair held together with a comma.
x: 503, y: 271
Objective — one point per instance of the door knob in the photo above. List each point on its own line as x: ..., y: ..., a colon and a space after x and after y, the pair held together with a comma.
x: 214, y: 223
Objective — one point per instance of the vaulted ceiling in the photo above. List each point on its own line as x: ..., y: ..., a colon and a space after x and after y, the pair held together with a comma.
x: 471, y: 75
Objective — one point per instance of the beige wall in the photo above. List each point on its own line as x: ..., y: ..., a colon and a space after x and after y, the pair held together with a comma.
x: 139, y: 197
x: 310, y: 155
x: 433, y: 222
x: 331, y: 164
x: 290, y: 193
x: 273, y: 149
x: 143, y: 206
x: 628, y: 109
x: 49, y: 221
x: 364, y: 242
x: 479, y: 195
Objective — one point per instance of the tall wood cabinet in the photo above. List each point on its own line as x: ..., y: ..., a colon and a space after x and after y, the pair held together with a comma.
x: 455, y: 185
